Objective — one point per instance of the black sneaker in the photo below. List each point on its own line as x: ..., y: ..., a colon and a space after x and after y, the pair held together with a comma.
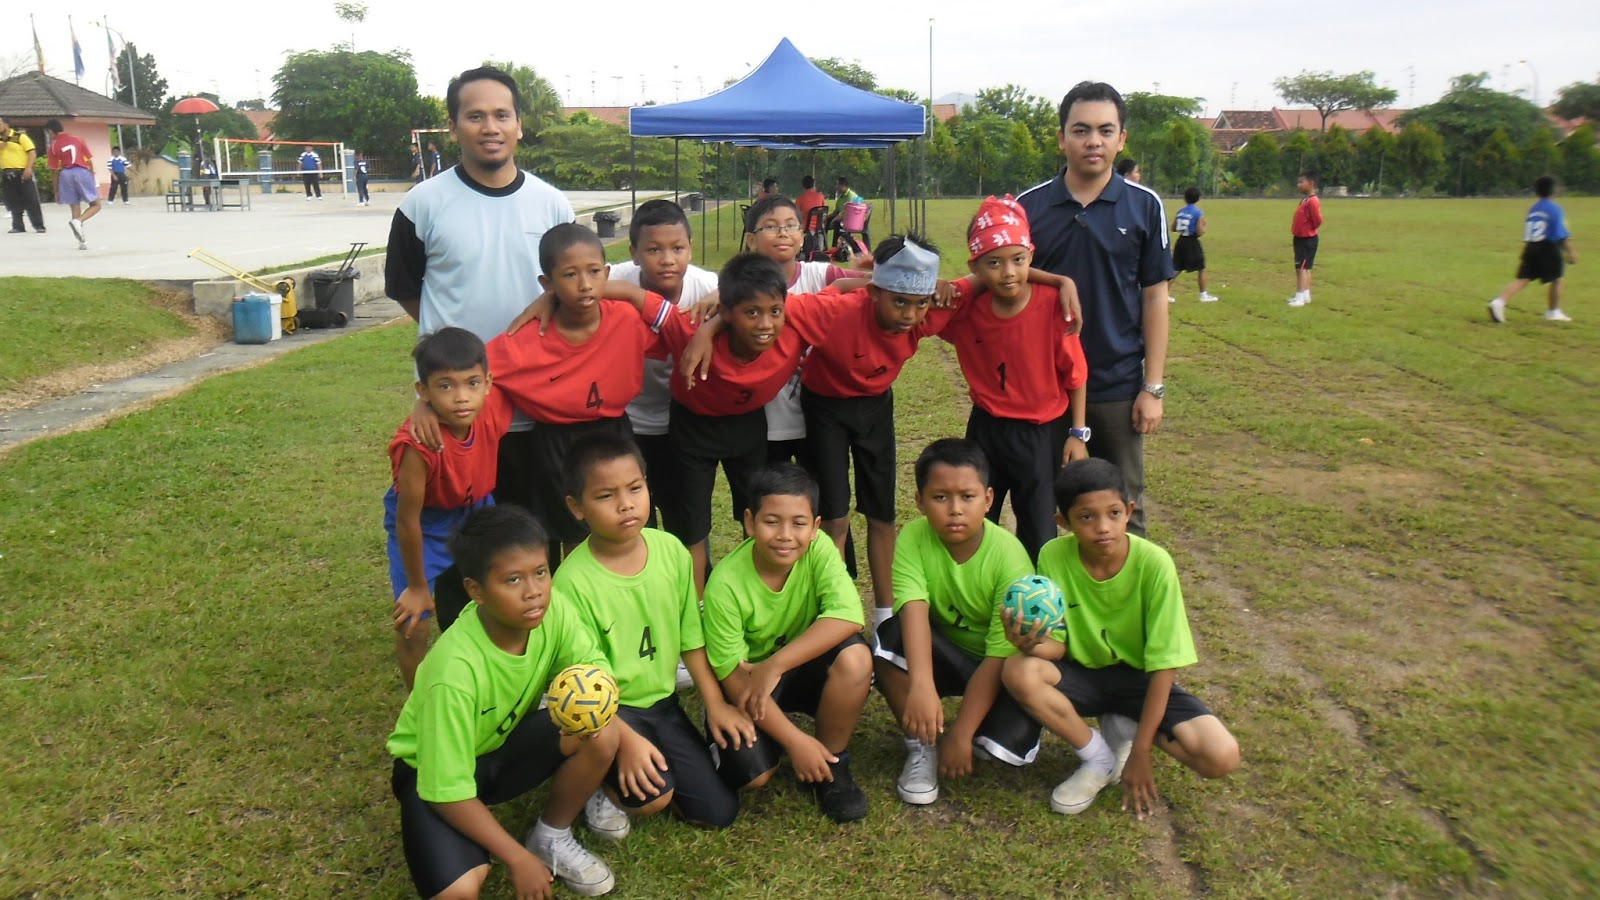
x: 840, y: 799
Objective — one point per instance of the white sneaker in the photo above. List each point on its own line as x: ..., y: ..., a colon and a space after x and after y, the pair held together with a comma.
x: 685, y: 680
x: 1074, y: 795
x: 1206, y: 297
x: 77, y: 229
x: 1497, y: 310
x: 1556, y: 315
x: 1299, y: 301
x: 1172, y: 298
x: 83, y: 245
x: 919, y: 777
x: 604, y: 818
x: 308, y: 199
x: 581, y: 871
x: 1119, y: 732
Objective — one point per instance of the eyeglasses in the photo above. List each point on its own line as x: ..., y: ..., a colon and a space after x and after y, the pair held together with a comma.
x: 789, y: 228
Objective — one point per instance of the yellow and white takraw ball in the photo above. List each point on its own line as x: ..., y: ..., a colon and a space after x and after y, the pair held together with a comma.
x: 582, y: 699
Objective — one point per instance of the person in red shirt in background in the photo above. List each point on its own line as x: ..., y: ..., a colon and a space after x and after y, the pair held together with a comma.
x: 1024, y: 368
x: 1307, y: 219
x: 435, y: 486
x: 75, y: 185
x: 810, y: 198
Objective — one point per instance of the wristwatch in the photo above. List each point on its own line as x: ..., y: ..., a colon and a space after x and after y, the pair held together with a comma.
x: 1081, y: 434
x: 1157, y: 391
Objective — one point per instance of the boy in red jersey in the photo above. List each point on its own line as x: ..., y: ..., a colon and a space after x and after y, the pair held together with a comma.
x: 75, y: 185
x: 579, y: 376
x: 435, y: 488
x: 1307, y: 219
x: 1025, y: 372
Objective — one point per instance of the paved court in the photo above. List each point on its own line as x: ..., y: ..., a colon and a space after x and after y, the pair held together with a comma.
x: 145, y: 241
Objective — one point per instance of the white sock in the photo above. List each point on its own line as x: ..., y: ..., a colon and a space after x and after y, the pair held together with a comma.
x: 1097, y: 752
x: 544, y: 833
x: 880, y: 614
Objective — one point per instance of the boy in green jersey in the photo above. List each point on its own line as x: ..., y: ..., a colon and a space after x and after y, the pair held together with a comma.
x: 783, y: 633
x: 1126, y: 633
x: 634, y: 586
x: 951, y: 570
x: 474, y: 733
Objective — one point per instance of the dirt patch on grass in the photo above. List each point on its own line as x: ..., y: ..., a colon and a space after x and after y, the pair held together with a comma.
x: 208, y: 332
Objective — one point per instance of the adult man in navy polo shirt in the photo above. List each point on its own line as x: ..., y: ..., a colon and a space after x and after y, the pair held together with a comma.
x: 1109, y: 235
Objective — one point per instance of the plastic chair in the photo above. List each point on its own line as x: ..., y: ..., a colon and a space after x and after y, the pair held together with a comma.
x: 814, y: 247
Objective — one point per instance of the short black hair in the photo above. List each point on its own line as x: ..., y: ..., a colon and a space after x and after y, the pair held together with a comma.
x: 54, y: 125
x: 1125, y: 165
x: 449, y: 349
x: 1086, y: 476
x: 655, y: 213
x: 1093, y: 92
x: 590, y: 451
x: 955, y: 452
x: 748, y: 276
x: 489, y: 531
x: 116, y: 146
x: 764, y: 207
x: 1544, y: 185
x: 783, y: 479
x: 843, y: 180
x: 1192, y: 195
x: 769, y: 183
x: 559, y: 239
x: 894, y: 243
x: 452, y: 94
x: 1310, y: 175
x: 807, y: 182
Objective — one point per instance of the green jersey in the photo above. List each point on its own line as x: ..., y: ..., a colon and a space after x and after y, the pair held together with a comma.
x: 469, y: 694
x: 962, y: 598
x: 1135, y: 617
x: 643, y: 622
x: 746, y: 621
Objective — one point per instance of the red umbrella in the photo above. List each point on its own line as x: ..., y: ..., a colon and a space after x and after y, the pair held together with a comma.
x: 195, y: 106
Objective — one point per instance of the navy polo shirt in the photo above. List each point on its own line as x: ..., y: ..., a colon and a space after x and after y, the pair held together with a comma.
x: 1113, y: 249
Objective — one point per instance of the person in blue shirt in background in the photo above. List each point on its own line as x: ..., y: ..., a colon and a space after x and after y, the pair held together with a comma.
x: 1187, y: 254
x: 1544, y: 243
x: 363, y: 198
x: 119, y: 174
x: 310, y: 163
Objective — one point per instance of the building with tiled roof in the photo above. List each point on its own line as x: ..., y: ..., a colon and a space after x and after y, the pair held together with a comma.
x: 29, y: 100
x: 1233, y: 128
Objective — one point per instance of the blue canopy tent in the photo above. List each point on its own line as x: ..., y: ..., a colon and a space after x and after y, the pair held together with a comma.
x: 787, y: 103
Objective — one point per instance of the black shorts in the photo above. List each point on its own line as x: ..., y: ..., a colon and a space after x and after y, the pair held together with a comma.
x: 660, y: 471
x: 699, y: 443
x: 798, y: 691
x: 794, y: 450
x: 1305, y: 252
x: 1542, y: 261
x: 436, y: 853
x: 698, y: 794
x: 1188, y: 255
x: 517, y: 476
x: 1006, y: 732
x: 548, y: 448
x: 1120, y: 689
x: 860, y: 429
x: 1023, y: 461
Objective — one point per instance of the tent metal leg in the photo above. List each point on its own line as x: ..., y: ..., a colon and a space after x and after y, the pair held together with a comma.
x: 633, y: 171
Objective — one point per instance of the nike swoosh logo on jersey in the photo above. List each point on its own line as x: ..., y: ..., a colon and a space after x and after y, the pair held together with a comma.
x: 861, y: 356
x: 487, y: 711
x: 607, y: 629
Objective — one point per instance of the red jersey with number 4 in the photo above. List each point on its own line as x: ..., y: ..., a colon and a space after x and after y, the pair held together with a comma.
x: 860, y: 359
x: 557, y: 382
x: 1019, y: 367
x: 68, y: 151
x: 463, y: 472
x: 734, y: 386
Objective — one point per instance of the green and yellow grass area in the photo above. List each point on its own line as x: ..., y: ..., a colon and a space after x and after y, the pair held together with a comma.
x: 53, y: 324
x: 1384, y: 508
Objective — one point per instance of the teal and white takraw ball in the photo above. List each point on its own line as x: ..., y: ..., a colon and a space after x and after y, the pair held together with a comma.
x: 582, y: 699
x: 1034, y: 599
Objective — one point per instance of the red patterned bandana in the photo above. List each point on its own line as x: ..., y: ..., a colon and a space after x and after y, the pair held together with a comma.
x: 1000, y: 223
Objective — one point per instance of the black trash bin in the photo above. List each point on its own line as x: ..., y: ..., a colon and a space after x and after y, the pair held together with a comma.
x: 605, y: 223
x: 697, y: 202
x: 334, y: 291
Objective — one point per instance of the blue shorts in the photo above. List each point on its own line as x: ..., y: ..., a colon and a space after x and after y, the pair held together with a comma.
x: 437, y: 527
x: 76, y: 185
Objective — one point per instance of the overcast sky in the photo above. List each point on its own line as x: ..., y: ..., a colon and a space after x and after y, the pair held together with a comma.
x: 625, y: 51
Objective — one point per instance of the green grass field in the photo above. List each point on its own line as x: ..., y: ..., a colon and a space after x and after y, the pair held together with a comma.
x: 58, y: 323
x: 1384, y: 509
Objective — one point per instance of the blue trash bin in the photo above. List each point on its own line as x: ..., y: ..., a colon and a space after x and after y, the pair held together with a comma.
x: 252, y: 319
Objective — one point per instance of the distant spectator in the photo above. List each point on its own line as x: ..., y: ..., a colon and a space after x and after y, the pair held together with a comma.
x: 434, y: 161
x: 842, y: 197
x: 310, y: 166
x: 416, y: 164
x: 363, y: 198
x: 1128, y: 168
x: 810, y: 198
x: 1545, y: 241
x: 119, y: 173
x: 769, y: 188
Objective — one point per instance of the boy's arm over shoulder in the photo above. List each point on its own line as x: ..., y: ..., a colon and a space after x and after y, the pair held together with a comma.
x: 1168, y: 641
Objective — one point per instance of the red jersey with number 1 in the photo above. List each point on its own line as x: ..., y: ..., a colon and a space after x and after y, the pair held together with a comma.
x: 1021, y: 367
x: 734, y: 386
x: 68, y: 151
x: 860, y: 359
x: 463, y: 472
x: 557, y: 382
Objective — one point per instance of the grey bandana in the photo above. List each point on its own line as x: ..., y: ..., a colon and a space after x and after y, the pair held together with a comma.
x: 913, y: 271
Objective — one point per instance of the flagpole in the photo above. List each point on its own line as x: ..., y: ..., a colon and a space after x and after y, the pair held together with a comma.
x: 38, y: 51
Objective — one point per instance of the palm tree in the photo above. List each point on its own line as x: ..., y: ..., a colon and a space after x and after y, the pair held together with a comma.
x: 541, y: 104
